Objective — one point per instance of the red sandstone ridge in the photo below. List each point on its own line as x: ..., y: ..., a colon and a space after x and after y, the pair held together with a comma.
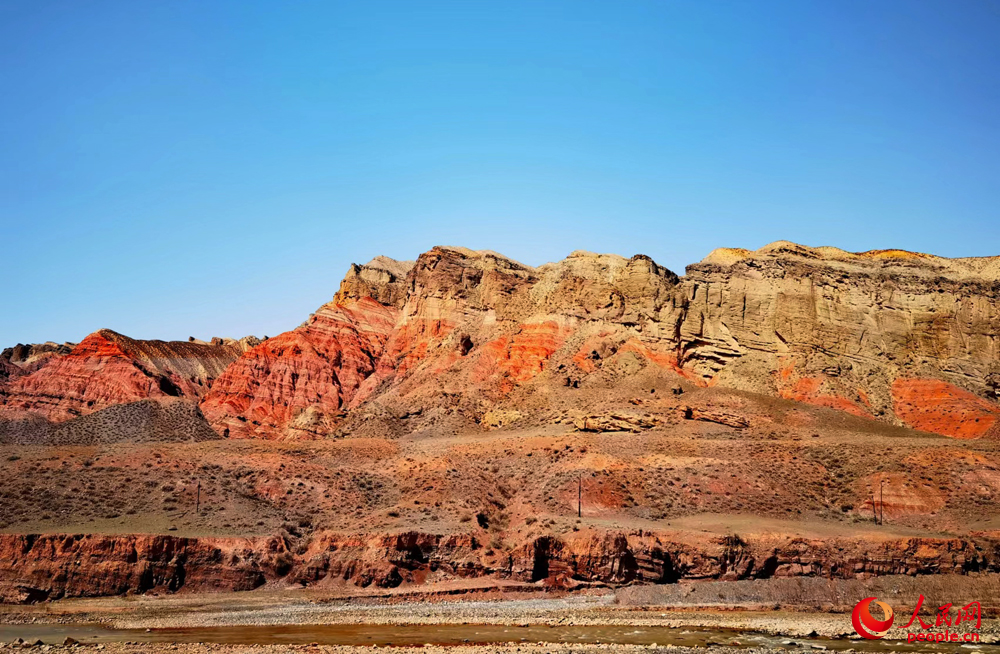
x: 298, y: 383
x: 40, y: 567
x: 107, y: 368
x: 476, y: 325
x: 459, y: 332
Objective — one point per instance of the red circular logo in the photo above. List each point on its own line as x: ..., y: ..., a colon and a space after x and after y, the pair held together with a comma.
x: 865, y: 623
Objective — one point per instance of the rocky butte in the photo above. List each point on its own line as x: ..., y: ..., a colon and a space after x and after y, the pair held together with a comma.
x: 437, y: 416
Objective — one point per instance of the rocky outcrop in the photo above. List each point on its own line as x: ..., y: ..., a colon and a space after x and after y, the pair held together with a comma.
x: 838, y: 329
x: 476, y: 325
x: 30, y: 358
x: 382, y: 279
x: 44, y: 567
x: 52, y: 566
x: 107, y: 368
x: 297, y: 384
x: 614, y: 422
x: 22, y: 359
x: 891, y: 335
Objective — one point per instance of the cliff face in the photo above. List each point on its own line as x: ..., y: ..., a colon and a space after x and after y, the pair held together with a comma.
x: 35, y: 568
x: 894, y: 335
x: 461, y: 327
x: 476, y: 321
x: 900, y: 337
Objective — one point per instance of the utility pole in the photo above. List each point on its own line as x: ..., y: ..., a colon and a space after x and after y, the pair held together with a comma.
x: 874, y: 509
x: 197, y: 506
x: 881, y: 501
x: 579, y: 498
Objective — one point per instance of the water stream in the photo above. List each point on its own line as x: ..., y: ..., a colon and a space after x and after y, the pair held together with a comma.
x: 455, y: 634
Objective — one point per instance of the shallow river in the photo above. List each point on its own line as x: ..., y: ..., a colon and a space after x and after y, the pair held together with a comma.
x: 447, y: 634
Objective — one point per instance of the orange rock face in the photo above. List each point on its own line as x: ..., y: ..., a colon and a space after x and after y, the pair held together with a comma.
x: 936, y: 406
x: 519, y: 357
x: 295, y: 384
x: 107, y: 368
x: 809, y: 390
x: 40, y: 567
x: 890, y: 335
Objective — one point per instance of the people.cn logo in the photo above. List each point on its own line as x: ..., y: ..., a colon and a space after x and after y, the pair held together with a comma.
x: 865, y: 623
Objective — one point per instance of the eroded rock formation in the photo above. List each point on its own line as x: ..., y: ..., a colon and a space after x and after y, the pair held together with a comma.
x: 36, y: 568
x: 107, y: 368
x: 890, y: 335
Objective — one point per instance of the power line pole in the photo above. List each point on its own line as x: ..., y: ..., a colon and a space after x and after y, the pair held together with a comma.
x: 881, y: 501
x: 579, y: 498
x: 197, y: 506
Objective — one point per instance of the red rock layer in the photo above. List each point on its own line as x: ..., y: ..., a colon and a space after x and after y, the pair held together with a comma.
x: 895, y: 495
x: 809, y: 390
x: 516, y: 358
x: 107, y: 368
x: 936, y: 406
x: 465, y: 328
x: 35, y: 568
x: 48, y: 567
x: 295, y: 384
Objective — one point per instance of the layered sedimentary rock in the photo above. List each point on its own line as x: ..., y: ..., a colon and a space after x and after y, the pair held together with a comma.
x: 40, y: 567
x: 476, y: 325
x: 890, y: 334
x: 461, y: 324
x: 896, y: 336
x: 297, y: 384
x: 46, y: 567
x: 107, y: 368
x: 24, y: 359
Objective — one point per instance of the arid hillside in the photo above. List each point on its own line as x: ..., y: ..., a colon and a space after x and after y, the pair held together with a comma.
x: 790, y: 411
x: 898, y: 337
x: 907, y: 339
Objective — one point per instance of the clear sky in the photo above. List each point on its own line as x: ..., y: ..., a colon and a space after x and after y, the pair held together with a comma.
x: 212, y: 168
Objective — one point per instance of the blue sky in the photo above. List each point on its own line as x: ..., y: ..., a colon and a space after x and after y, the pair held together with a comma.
x: 211, y: 168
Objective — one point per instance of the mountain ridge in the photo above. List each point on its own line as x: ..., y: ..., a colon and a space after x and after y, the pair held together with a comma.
x: 457, y: 331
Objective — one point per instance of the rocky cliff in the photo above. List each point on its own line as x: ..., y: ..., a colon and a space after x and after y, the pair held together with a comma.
x: 891, y: 335
x: 25, y: 359
x: 905, y: 338
x: 35, y: 568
